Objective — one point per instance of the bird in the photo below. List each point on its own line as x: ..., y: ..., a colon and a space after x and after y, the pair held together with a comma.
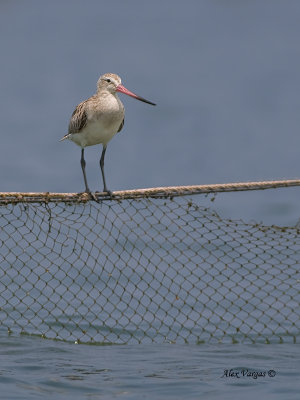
x: 97, y: 119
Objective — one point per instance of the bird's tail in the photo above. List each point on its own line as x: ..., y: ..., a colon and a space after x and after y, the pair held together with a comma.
x: 67, y: 136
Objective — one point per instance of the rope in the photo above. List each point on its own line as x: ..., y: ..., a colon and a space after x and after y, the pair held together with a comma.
x: 159, y: 192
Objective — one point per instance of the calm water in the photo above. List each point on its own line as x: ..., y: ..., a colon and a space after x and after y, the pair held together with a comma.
x: 225, y: 76
x: 32, y: 368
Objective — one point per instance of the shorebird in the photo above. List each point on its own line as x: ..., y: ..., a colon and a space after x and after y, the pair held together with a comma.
x: 97, y: 119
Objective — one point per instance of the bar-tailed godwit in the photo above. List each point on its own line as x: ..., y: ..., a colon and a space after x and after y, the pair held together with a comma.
x: 97, y: 119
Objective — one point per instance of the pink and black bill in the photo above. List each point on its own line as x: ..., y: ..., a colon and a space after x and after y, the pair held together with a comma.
x: 123, y: 89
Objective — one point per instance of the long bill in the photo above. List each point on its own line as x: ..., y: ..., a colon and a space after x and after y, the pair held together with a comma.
x: 123, y: 89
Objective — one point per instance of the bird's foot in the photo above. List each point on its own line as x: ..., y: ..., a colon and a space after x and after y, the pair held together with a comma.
x: 95, y: 195
x: 92, y: 195
x: 107, y: 193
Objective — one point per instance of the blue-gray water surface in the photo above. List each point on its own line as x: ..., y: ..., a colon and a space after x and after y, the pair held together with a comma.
x: 33, y: 368
x: 226, y: 78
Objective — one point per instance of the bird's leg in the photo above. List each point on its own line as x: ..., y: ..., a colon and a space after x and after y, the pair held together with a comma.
x: 83, y: 163
x: 102, y: 170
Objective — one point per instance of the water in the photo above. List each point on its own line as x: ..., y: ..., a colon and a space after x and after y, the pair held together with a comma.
x: 32, y: 368
x: 225, y: 76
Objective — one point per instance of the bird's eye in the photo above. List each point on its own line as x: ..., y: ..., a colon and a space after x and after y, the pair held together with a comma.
x: 108, y: 80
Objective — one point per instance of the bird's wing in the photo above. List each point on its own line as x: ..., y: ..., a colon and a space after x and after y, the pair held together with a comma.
x: 78, y: 119
x: 122, y: 124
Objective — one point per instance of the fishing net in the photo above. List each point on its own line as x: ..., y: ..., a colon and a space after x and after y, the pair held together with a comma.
x: 146, y: 270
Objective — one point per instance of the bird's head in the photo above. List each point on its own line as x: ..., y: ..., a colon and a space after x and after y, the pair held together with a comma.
x: 112, y: 83
x: 109, y: 82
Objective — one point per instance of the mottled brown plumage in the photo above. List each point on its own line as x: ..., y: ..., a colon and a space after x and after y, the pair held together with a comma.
x: 78, y: 119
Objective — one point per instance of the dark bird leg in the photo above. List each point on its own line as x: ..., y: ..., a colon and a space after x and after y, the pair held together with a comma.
x: 83, y: 163
x: 102, y: 170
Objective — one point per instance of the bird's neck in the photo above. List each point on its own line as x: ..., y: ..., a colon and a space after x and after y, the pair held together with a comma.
x: 105, y: 93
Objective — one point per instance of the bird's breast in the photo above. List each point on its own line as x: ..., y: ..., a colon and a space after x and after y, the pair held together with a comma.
x: 104, y: 118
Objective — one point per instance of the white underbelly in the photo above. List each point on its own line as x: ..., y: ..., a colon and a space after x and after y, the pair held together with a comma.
x: 95, y: 133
